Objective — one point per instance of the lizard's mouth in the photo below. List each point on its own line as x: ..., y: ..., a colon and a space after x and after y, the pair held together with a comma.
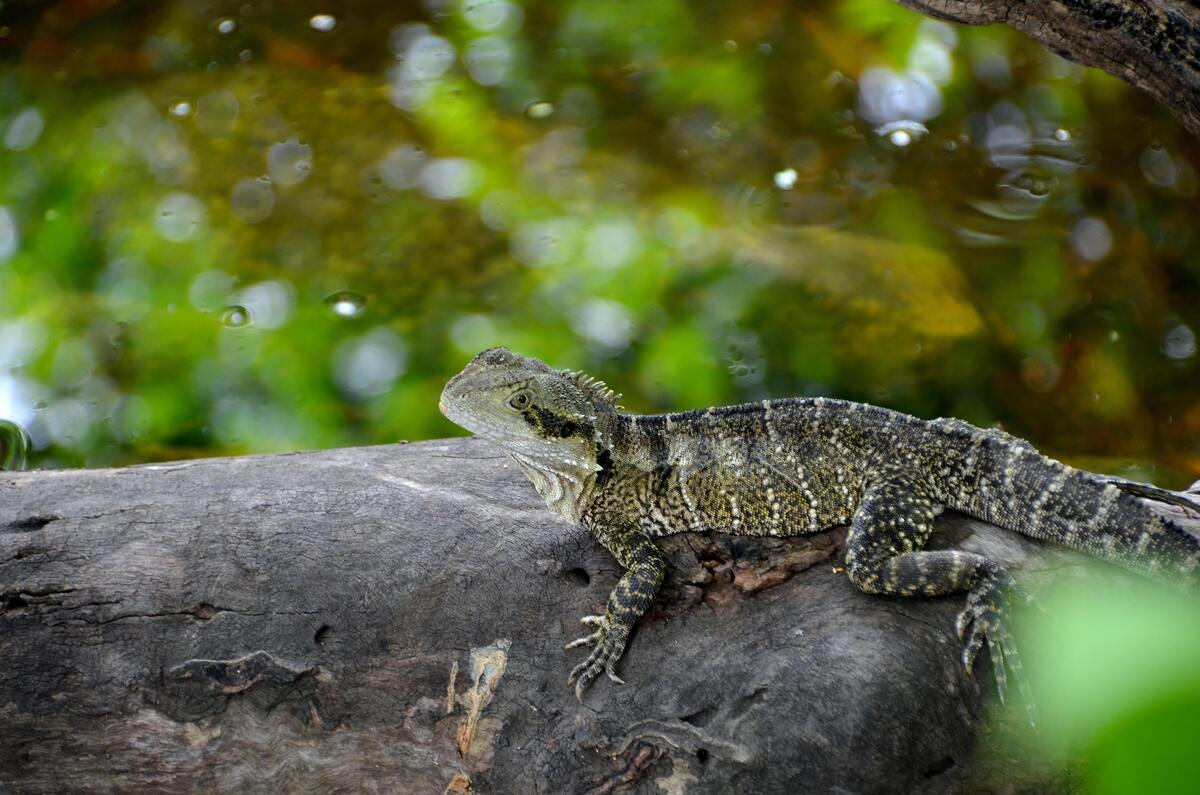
x: 452, y: 411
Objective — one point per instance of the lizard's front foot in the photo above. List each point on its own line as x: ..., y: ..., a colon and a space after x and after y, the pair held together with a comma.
x: 986, y: 619
x: 610, y: 638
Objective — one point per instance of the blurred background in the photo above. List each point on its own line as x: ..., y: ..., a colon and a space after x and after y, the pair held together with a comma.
x: 249, y: 227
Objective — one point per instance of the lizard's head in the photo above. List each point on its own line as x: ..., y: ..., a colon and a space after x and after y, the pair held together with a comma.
x: 522, y: 403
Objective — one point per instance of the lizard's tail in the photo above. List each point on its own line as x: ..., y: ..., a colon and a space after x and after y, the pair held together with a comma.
x: 1103, y: 516
x: 1146, y: 491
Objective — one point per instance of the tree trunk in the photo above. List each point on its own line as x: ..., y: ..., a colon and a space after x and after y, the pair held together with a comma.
x: 1152, y: 44
x: 390, y: 619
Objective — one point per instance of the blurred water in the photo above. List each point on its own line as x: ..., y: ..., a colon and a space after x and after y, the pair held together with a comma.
x: 346, y: 303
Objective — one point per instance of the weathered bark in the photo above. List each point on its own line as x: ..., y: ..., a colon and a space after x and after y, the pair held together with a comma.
x: 390, y: 619
x: 1152, y: 44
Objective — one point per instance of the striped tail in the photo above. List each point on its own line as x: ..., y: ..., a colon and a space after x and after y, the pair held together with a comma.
x: 1103, y: 516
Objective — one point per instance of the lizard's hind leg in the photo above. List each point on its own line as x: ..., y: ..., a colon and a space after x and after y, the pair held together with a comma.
x: 884, y: 555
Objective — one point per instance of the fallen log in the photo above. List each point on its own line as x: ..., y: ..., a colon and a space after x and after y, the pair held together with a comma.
x: 390, y: 619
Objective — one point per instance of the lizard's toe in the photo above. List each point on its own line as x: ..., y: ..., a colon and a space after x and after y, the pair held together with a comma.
x: 972, y: 643
x: 999, y: 670
x: 586, y: 671
x: 586, y: 640
x: 582, y: 675
x: 610, y: 669
x: 962, y: 623
x: 601, y: 624
x: 985, y: 619
x: 580, y: 685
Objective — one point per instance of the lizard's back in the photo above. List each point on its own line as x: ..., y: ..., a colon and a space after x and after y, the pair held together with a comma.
x: 796, y: 466
x: 777, y: 467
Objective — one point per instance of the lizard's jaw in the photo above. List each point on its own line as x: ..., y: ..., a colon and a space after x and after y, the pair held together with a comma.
x: 464, y: 412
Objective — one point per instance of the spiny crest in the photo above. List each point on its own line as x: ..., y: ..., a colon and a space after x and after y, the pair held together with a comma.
x: 595, y: 390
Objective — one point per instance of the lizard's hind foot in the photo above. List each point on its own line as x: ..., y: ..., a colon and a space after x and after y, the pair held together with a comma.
x: 986, y: 619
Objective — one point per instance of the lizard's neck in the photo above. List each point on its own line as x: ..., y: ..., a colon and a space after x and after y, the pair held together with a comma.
x: 564, y: 477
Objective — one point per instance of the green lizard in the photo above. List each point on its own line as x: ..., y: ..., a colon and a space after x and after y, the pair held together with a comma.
x: 798, y: 466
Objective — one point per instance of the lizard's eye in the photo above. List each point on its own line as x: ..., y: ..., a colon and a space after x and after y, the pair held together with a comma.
x: 519, y: 401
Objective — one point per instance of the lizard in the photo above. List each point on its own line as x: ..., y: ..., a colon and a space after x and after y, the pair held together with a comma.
x: 799, y: 466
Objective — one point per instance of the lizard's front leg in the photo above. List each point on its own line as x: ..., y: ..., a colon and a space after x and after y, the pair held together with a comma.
x: 645, y: 567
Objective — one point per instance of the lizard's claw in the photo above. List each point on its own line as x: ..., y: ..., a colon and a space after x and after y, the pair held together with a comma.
x: 610, y: 641
x: 985, y: 619
x: 601, y: 624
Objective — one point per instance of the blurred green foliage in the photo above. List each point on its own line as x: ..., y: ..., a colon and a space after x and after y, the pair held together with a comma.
x: 701, y: 204
x: 1114, y: 666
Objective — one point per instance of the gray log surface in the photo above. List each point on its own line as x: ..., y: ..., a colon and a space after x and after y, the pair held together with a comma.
x: 1152, y: 44
x: 389, y: 619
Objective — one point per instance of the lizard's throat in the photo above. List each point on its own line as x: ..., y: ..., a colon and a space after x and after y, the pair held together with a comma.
x: 564, y: 483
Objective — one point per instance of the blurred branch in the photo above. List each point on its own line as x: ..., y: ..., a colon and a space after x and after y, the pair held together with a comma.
x: 1152, y: 44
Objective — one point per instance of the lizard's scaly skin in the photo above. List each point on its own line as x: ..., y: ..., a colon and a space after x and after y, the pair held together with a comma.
x: 798, y: 466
